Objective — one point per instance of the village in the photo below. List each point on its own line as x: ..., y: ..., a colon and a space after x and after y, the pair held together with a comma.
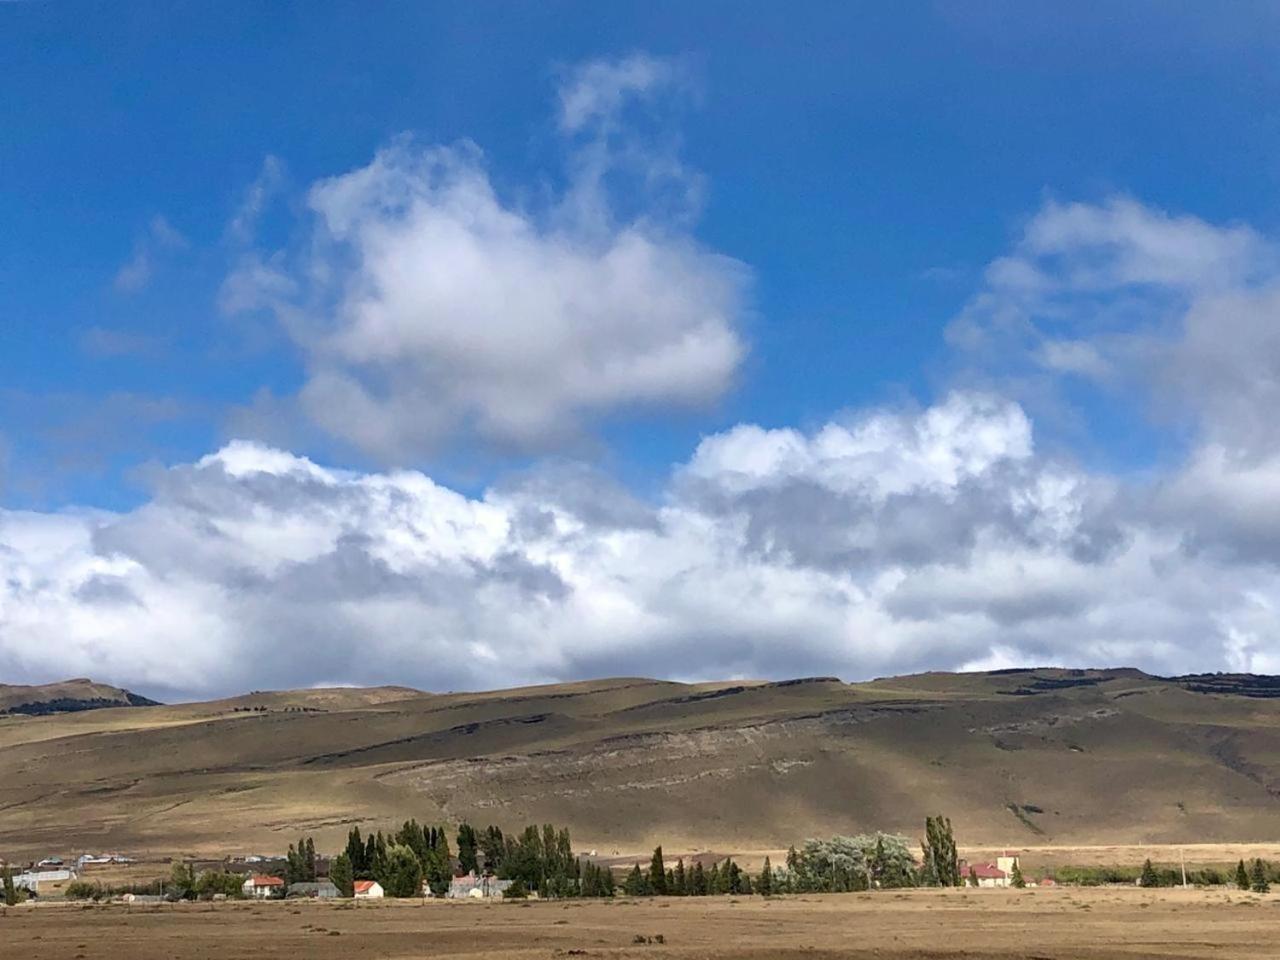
x: 417, y: 862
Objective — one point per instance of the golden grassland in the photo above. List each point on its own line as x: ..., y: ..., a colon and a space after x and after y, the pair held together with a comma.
x: 1046, y: 924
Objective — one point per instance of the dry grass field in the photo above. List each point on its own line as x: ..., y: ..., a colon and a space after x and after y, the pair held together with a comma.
x: 1058, y: 924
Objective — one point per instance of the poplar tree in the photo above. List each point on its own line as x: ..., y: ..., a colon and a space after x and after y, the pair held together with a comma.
x: 681, y: 888
x: 340, y: 874
x: 657, y: 873
x: 10, y: 891
x: 1242, y: 876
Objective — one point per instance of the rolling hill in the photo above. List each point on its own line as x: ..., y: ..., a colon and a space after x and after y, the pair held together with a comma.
x: 69, y: 696
x: 1014, y: 757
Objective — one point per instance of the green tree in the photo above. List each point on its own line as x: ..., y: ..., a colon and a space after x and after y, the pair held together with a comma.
x: 699, y: 882
x: 212, y: 883
x: 657, y: 873
x: 517, y: 890
x: 765, y: 886
x: 467, y: 849
x: 973, y: 877
x: 1148, y: 878
x: 1258, y: 877
x: 1242, y: 876
x: 636, y: 885
x: 941, y: 867
x: 681, y: 886
x: 402, y: 872
x: 10, y: 891
x: 1015, y: 876
x: 182, y: 881
x: 341, y: 874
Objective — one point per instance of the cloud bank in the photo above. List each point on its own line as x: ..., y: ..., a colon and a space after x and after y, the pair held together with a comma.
x: 892, y: 541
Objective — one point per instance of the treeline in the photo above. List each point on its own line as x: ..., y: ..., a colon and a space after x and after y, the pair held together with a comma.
x: 1257, y: 877
x: 536, y: 859
x: 399, y: 861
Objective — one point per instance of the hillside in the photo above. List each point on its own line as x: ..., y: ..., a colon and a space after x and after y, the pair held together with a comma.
x: 1014, y: 757
x: 69, y: 696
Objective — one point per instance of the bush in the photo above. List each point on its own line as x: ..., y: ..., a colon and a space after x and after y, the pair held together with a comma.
x: 517, y: 890
x: 82, y: 890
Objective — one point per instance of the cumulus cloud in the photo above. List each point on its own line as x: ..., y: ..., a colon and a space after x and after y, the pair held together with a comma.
x: 891, y: 541
x: 428, y: 305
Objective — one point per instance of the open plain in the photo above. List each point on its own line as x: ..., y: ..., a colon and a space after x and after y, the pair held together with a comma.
x: 1049, y: 924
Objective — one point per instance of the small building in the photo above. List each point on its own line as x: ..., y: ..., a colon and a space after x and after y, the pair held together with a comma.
x: 471, y: 887
x: 998, y: 874
x: 368, y: 890
x: 260, y: 887
x: 321, y: 889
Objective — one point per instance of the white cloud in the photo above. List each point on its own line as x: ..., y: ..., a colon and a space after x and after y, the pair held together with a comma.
x: 888, y: 542
x: 268, y: 182
x: 429, y: 306
x: 160, y: 237
x: 594, y: 93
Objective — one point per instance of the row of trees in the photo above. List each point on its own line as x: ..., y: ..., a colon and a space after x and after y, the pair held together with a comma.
x: 1256, y: 878
x: 399, y: 861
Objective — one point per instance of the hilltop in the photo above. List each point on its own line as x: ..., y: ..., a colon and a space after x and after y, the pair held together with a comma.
x: 1014, y: 757
x: 68, y: 696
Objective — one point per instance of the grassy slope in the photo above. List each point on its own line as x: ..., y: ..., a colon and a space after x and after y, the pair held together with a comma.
x: 1117, y: 757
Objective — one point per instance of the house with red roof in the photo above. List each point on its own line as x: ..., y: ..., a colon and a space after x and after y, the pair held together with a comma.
x: 262, y: 887
x: 368, y: 890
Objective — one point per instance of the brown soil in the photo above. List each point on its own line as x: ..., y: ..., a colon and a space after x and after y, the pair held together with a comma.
x: 1061, y: 924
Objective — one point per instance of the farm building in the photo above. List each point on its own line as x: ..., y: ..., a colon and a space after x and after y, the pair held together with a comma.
x: 998, y: 874
x: 259, y: 887
x: 471, y: 887
x: 368, y: 890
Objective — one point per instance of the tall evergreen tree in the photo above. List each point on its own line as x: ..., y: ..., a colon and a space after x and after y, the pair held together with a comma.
x: 309, y: 860
x: 1242, y: 876
x: 1258, y: 878
x: 713, y: 880
x: 1015, y: 876
x: 10, y: 891
x: 765, y: 886
x: 681, y: 885
x: 699, y: 882
x: 657, y: 873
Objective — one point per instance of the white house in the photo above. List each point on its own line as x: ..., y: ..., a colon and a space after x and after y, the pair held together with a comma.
x: 368, y: 890
x: 259, y: 887
x: 998, y: 874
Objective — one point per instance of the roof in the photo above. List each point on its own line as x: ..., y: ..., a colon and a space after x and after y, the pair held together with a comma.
x: 988, y: 871
x: 258, y: 880
x: 363, y: 885
x: 311, y: 885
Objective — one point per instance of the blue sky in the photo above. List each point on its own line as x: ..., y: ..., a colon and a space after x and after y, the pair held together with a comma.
x: 838, y: 181
x: 865, y: 164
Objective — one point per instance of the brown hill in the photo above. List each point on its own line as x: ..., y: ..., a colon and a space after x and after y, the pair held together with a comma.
x: 1014, y: 757
x: 69, y: 696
